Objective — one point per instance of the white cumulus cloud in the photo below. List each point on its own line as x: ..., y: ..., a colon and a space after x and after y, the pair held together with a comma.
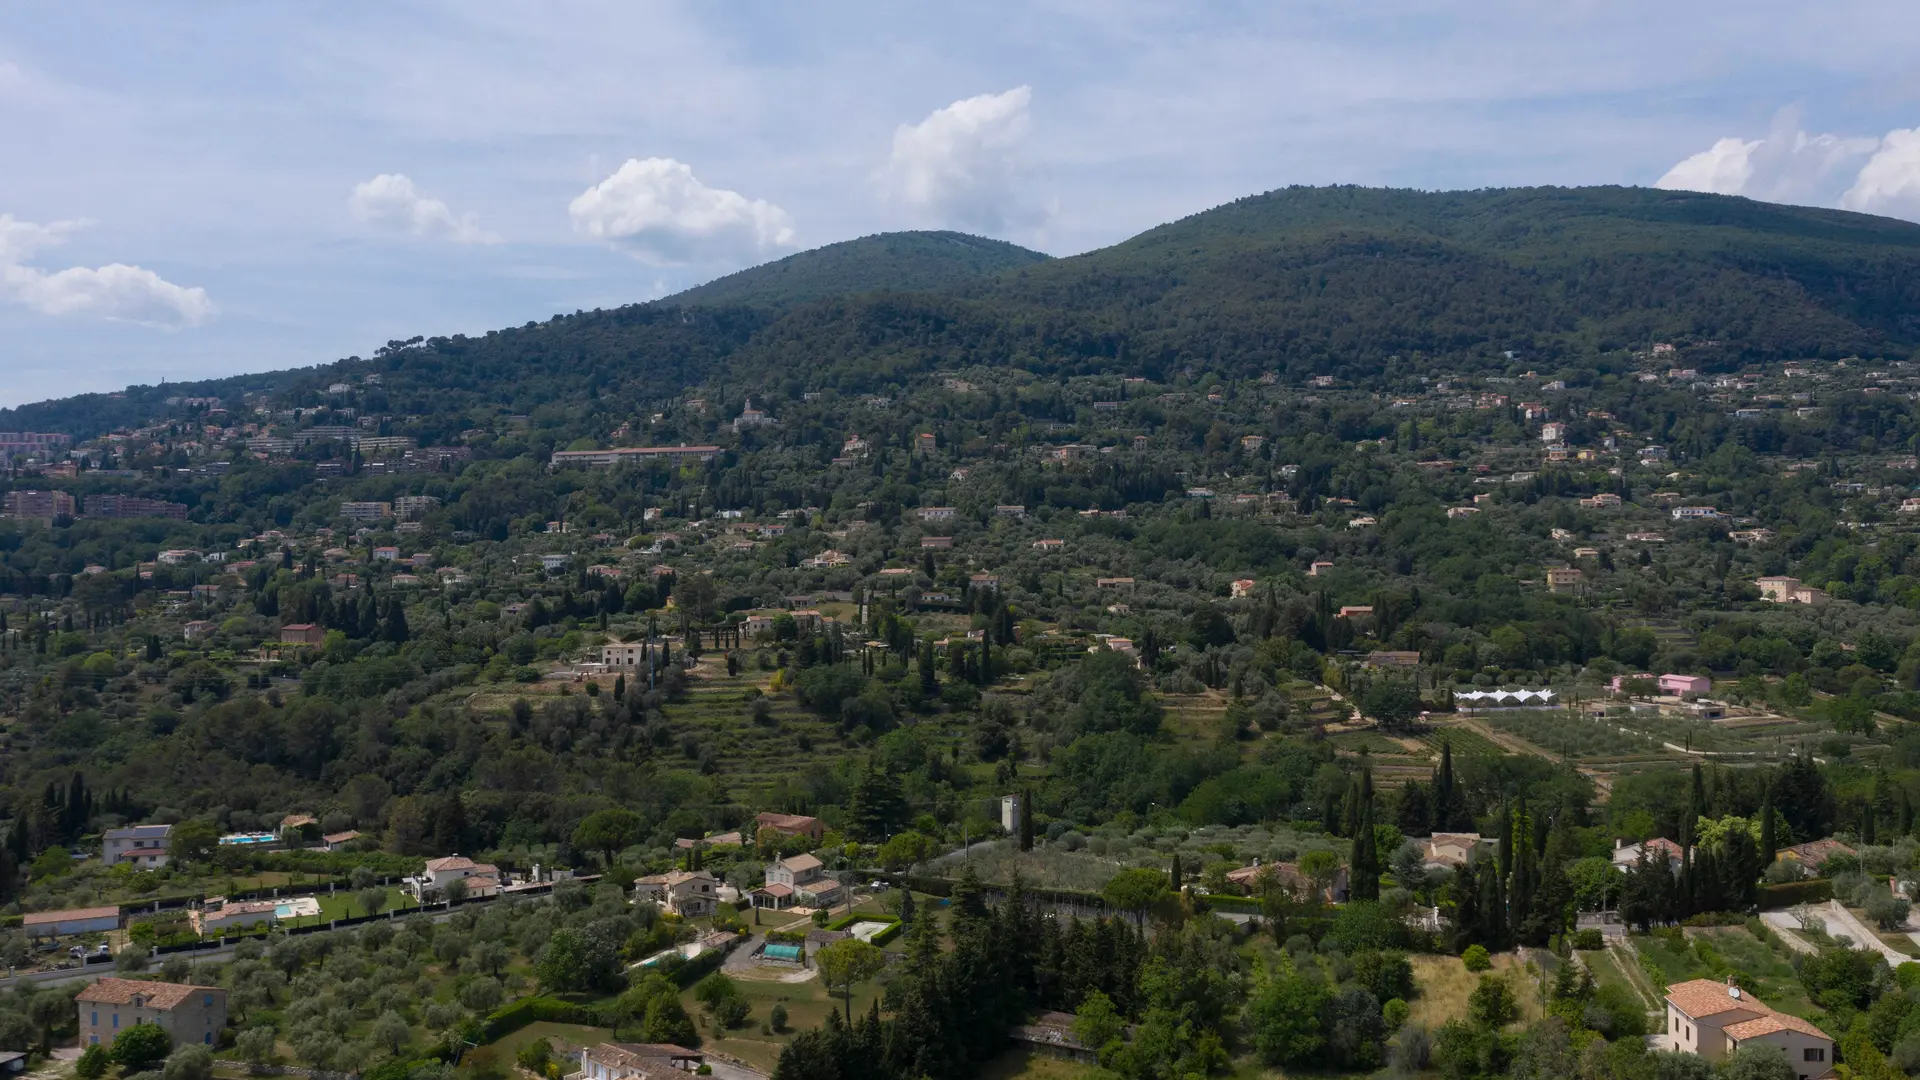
x: 963, y: 164
x: 114, y: 291
x: 390, y: 201
x: 659, y: 211
x: 1889, y: 183
x: 1789, y: 165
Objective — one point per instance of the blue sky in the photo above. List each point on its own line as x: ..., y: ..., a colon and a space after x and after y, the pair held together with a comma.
x: 202, y: 189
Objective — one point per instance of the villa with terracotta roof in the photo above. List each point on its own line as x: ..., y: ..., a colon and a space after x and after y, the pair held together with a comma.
x: 188, y: 1014
x: 1812, y: 854
x: 1713, y: 1020
x: 791, y: 825
x: 482, y: 879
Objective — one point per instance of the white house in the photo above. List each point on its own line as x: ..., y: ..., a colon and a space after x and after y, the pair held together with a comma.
x: 144, y: 846
x: 483, y: 879
x: 687, y: 893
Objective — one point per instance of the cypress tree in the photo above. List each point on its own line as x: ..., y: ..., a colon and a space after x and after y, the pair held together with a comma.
x: 1443, y: 789
x: 1493, y: 913
x: 1768, y: 842
x: 1504, y: 851
x: 1696, y: 806
x: 1364, y: 880
x: 1175, y: 874
x: 1466, y: 906
x: 1026, y: 820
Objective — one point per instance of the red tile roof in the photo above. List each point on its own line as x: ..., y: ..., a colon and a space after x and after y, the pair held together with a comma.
x: 159, y: 995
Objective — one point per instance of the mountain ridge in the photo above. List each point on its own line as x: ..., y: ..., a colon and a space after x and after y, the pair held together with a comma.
x: 913, y: 261
x: 1352, y: 282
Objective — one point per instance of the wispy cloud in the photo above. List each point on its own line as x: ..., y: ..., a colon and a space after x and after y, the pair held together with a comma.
x: 114, y: 291
x: 390, y: 201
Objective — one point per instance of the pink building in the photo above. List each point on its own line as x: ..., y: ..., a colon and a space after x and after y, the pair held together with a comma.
x: 1684, y: 685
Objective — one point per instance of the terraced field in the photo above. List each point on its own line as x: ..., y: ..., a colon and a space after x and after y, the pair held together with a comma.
x: 1569, y: 735
x: 1465, y: 741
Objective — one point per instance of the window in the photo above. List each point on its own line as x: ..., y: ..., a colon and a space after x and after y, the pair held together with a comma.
x: 1814, y: 1053
x: 95, y: 1021
x: 116, y: 1019
x: 93, y: 1040
x: 207, y: 1000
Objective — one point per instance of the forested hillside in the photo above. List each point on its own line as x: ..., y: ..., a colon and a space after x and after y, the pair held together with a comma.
x: 1357, y: 283
x: 903, y: 261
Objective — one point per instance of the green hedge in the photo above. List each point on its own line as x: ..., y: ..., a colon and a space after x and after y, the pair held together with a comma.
x: 891, y: 931
x: 1245, y: 905
x: 511, y: 1018
x: 1816, y: 891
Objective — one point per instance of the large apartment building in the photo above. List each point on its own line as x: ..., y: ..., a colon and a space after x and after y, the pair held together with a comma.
x: 129, y: 506
x: 606, y: 459
x: 44, y: 505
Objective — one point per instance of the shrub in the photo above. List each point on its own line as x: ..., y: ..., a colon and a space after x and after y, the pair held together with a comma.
x: 1395, y: 1012
x: 777, y: 1016
x: 1589, y: 939
x: 1476, y: 958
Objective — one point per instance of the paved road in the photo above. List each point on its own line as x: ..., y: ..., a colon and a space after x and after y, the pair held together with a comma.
x: 207, y: 956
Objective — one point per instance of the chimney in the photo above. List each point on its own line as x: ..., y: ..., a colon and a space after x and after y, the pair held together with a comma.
x: 1733, y: 987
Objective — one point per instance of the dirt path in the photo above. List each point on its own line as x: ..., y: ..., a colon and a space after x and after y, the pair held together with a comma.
x: 1627, y: 959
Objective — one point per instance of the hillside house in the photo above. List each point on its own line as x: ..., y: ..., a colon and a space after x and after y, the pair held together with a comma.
x: 1812, y: 855
x: 1788, y: 590
x: 1288, y: 876
x: 145, y: 846
x: 1449, y: 851
x: 93, y: 920
x: 1714, y: 1020
x: 791, y: 825
x: 482, y: 879
x: 690, y: 894
x: 1627, y: 856
x: 188, y: 1014
x: 798, y: 880
x: 1685, y: 685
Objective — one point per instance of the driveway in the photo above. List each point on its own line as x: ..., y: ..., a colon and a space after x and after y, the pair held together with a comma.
x: 1784, y: 925
x: 1842, y: 923
x: 1838, y: 923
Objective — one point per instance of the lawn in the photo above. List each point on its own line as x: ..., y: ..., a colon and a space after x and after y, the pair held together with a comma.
x: 1446, y: 984
x: 1027, y: 1065
x: 807, y: 1006
x: 560, y: 1035
x: 345, y: 904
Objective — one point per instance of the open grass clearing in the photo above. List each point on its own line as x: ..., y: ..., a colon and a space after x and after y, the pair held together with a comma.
x: 1030, y: 1065
x: 561, y: 1036
x: 807, y: 1005
x: 1446, y: 984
